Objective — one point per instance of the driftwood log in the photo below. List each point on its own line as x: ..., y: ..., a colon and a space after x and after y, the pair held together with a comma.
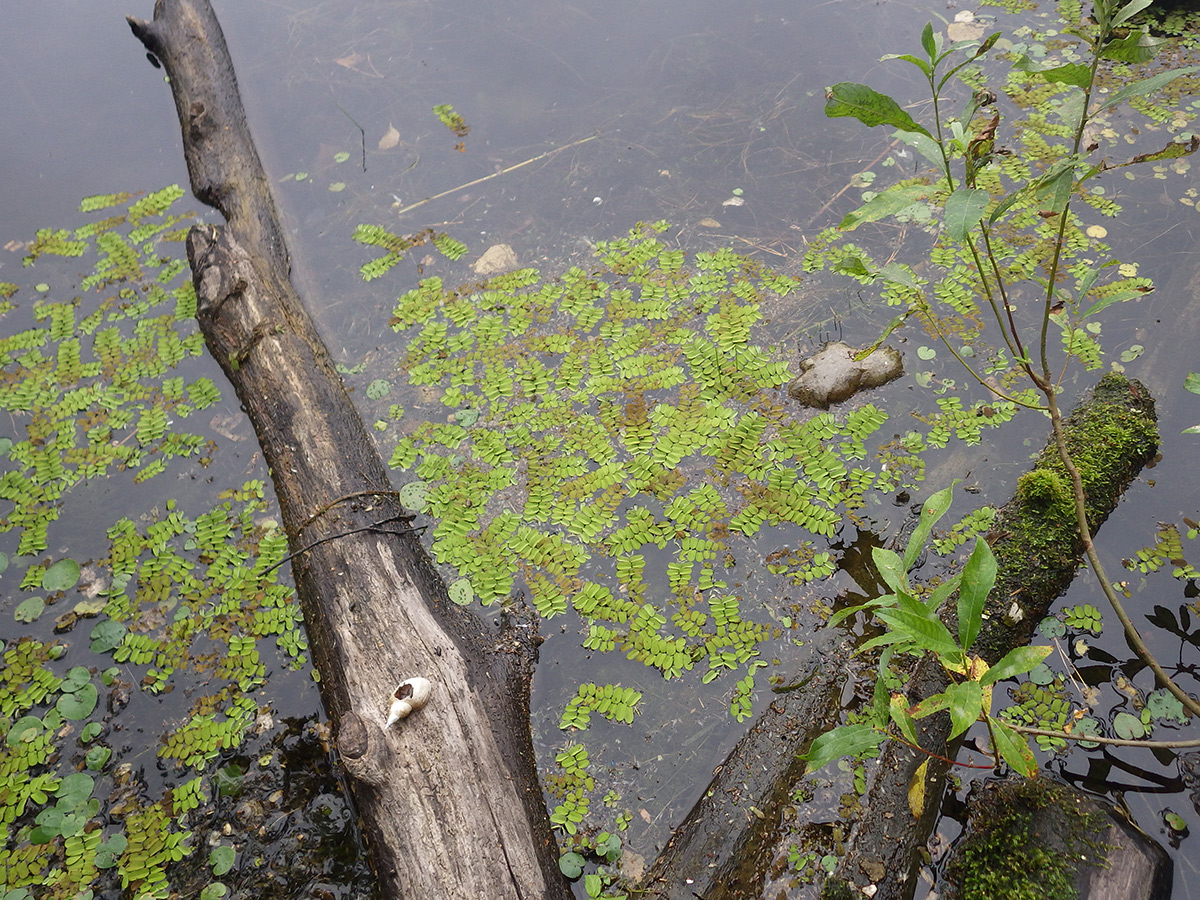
x: 735, y: 841
x: 449, y: 798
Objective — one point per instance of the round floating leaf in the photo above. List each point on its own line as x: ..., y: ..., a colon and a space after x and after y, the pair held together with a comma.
x: 97, y: 757
x: 379, y: 388
x: 76, y: 678
x: 413, y: 495
x: 341, y: 156
x: 229, y: 781
x: 1051, y: 627
x: 221, y: 859
x: 1041, y: 674
x: 1087, y: 725
x: 461, y: 592
x: 78, y: 705
x: 90, y: 731
x: 28, y: 610
x: 62, y: 576
x: 1128, y: 726
x: 25, y: 729
x: 571, y: 865
x: 1175, y: 821
x: 107, y: 635
x: 1164, y: 705
x: 75, y: 789
x: 214, y: 891
x: 466, y: 417
x: 926, y: 352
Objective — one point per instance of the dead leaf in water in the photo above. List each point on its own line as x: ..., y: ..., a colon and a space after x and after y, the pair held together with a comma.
x: 709, y: 222
x: 350, y: 61
x: 390, y: 138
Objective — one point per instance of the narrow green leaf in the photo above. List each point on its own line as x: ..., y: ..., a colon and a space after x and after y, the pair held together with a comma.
x: 886, y: 203
x: 923, y: 629
x: 898, y: 712
x: 939, y: 594
x: 908, y: 57
x: 935, y: 507
x: 1071, y: 73
x: 923, y: 144
x: 930, y: 705
x: 964, y: 209
x: 1115, y: 297
x: 1057, y: 189
x: 1130, y: 9
x: 870, y: 107
x: 929, y: 42
x: 978, y: 579
x: 891, y: 568
x: 1013, y: 748
x: 966, y: 699
x: 845, y: 740
x: 1016, y: 662
x: 898, y: 273
x: 1146, y: 86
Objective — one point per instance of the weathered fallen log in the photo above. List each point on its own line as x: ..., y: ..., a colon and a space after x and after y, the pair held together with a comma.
x: 449, y: 798
x: 735, y: 842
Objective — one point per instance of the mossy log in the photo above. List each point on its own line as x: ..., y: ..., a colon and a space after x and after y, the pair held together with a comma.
x: 1111, y: 435
x: 449, y: 799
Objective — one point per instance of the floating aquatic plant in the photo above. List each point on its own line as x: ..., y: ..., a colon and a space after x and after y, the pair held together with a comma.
x: 89, y: 378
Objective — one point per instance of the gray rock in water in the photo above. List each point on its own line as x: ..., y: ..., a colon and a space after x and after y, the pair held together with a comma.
x: 833, y: 375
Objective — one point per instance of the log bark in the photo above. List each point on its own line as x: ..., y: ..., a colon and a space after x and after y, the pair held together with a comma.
x: 734, y: 843
x: 449, y: 799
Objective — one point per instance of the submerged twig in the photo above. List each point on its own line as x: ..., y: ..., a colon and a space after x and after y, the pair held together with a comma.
x: 463, y: 187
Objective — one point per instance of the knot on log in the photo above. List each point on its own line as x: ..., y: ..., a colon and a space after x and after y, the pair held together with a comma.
x: 365, y: 755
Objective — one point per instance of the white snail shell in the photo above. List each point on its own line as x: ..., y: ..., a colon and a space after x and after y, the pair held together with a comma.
x: 411, y: 694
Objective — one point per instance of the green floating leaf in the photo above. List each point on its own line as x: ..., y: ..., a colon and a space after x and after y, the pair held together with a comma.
x: 461, y: 592
x: 78, y: 705
x: 29, y: 610
x: 107, y: 636
x: 1128, y: 726
x: 414, y: 495
x: 62, y: 576
x: 571, y: 865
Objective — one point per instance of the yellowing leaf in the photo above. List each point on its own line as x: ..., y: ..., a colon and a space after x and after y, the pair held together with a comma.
x: 916, y: 791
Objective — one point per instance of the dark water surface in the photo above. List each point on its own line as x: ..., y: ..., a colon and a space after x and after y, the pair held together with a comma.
x: 667, y: 110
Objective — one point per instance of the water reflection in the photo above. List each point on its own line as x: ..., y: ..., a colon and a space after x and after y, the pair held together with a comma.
x: 686, y: 106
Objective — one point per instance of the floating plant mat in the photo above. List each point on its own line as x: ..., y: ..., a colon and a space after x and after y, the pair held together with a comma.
x: 612, y: 444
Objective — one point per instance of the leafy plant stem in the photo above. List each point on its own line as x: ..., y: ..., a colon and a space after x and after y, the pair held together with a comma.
x: 932, y: 322
x: 1095, y: 738
x: 1012, y: 337
x: 1085, y: 534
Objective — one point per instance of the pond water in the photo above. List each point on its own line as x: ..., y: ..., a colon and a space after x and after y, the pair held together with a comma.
x: 584, y: 120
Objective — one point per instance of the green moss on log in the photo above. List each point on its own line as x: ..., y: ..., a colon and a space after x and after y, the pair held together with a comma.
x: 1110, y: 436
x: 1026, y: 840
